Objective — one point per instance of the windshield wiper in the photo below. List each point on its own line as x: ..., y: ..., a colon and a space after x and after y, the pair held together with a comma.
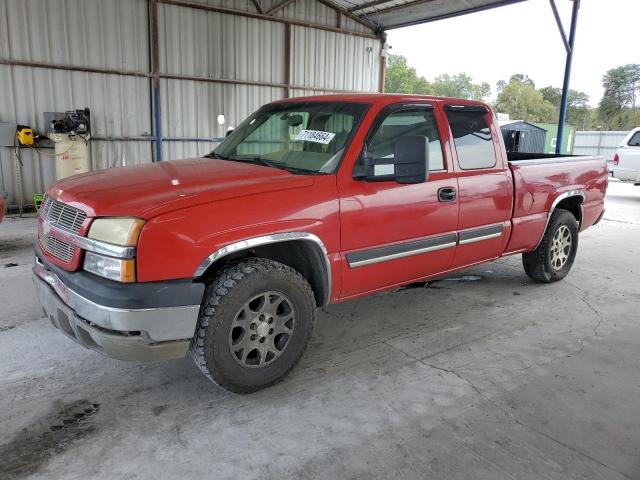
x: 216, y: 155
x: 272, y: 163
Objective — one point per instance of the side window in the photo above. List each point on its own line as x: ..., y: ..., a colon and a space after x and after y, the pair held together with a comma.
x: 415, y: 121
x: 634, y: 141
x: 472, y: 139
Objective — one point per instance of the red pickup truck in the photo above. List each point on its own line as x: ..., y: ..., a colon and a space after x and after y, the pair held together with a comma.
x: 310, y: 201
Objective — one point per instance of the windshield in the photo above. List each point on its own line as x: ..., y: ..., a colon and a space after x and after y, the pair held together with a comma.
x: 301, y: 137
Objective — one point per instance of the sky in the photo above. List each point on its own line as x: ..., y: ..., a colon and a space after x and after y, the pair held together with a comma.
x: 523, y: 38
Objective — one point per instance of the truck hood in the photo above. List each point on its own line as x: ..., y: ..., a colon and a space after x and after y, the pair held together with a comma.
x: 149, y: 190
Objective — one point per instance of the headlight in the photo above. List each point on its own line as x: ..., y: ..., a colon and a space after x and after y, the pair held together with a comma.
x: 118, y: 269
x: 117, y: 230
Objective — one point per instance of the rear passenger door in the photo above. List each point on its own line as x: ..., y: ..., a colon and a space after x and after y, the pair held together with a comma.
x: 485, y: 186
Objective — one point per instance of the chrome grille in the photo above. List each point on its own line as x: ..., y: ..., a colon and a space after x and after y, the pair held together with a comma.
x: 62, y: 216
x: 58, y: 248
x: 66, y: 218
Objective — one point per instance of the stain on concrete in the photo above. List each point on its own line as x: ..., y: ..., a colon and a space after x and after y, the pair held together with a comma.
x: 14, y: 244
x: 159, y: 409
x: 47, y: 437
x: 10, y: 264
x: 464, y: 278
x: 430, y: 284
x: 8, y: 327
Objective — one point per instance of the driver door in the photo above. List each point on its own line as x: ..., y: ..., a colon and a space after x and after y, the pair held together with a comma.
x: 394, y: 233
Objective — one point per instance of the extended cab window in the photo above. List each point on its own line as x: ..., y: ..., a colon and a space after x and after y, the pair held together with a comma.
x: 298, y: 136
x: 472, y: 138
x: 634, y: 141
x: 414, y: 121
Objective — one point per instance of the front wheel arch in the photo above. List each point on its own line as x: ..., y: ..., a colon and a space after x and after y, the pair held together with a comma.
x: 304, y: 252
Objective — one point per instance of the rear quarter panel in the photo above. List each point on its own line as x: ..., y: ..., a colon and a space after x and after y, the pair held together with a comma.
x: 536, y: 187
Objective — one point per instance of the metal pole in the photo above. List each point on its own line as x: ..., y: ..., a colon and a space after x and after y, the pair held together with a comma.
x: 155, y: 79
x: 287, y: 60
x: 567, y: 76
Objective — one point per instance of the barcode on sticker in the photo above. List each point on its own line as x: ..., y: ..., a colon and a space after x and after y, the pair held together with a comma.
x: 316, y: 136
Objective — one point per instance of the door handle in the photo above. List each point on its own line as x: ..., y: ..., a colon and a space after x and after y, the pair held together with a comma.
x: 446, y: 194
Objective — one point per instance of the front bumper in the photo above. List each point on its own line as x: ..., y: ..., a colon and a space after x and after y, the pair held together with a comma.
x: 142, y: 334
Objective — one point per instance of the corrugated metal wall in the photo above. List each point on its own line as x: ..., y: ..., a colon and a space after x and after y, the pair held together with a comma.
x: 603, y: 143
x: 211, y: 63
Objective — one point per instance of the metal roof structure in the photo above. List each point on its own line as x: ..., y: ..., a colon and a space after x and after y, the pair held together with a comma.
x: 389, y: 14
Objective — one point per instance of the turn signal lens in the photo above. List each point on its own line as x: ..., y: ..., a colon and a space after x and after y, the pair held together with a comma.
x: 117, y: 269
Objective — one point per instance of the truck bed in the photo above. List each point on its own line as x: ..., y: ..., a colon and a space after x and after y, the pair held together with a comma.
x: 540, y: 179
x: 545, y: 157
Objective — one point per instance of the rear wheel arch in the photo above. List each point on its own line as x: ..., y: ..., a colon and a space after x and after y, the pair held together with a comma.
x: 572, y: 204
x: 302, y: 251
x: 571, y: 201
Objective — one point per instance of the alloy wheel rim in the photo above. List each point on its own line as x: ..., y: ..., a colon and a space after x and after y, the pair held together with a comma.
x: 561, y: 247
x: 262, y: 329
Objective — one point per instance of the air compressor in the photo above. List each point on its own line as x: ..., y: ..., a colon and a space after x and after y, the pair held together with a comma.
x: 70, y: 132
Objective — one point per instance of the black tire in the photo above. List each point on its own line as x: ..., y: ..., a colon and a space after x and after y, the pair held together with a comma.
x: 227, y: 297
x: 538, y: 264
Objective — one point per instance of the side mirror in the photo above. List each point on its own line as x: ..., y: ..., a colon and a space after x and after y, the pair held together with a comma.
x: 410, y: 163
x: 229, y: 132
x: 411, y: 159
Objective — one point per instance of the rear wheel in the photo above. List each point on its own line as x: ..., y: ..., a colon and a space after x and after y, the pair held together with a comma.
x: 255, y: 322
x: 554, y: 257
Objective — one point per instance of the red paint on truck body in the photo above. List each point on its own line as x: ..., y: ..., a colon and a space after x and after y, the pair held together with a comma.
x: 194, y: 207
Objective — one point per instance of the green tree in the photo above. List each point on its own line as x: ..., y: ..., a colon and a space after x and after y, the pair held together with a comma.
x: 401, y: 78
x: 578, y: 110
x: 619, y: 107
x: 520, y: 99
x: 460, y: 86
x: 519, y: 77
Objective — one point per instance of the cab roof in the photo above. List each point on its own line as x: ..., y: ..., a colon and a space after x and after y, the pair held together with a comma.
x: 382, y: 99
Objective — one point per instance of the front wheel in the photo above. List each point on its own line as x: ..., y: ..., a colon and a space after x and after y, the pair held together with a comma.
x: 554, y: 257
x: 255, y: 322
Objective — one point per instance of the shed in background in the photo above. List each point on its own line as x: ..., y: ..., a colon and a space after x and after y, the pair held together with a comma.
x: 521, y: 136
x: 568, y: 138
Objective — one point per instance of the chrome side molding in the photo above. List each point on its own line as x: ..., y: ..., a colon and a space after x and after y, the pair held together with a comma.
x: 401, y: 250
x: 266, y: 240
x: 480, y: 234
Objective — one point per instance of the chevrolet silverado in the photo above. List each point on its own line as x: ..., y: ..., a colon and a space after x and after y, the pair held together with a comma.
x: 310, y: 201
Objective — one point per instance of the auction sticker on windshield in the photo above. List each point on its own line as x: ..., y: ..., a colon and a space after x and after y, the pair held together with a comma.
x: 316, y: 136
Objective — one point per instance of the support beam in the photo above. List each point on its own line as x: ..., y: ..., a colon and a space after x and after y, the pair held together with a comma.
x: 258, y: 6
x: 402, y: 6
x: 73, y: 68
x: 154, y: 50
x: 567, y: 75
x: 348, y: 14
x: 556, y: 15
x: 383, y: 73
x: 279, y: 6
x: 259, y: 16
x: 198, y: 78
x: 364, y: 6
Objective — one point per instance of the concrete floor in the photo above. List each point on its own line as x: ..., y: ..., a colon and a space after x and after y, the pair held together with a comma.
x: 484, y: 376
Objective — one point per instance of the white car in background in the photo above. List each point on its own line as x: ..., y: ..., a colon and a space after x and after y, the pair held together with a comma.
x: 626, y: 162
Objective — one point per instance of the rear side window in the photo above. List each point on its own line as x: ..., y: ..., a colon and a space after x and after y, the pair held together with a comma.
x: 634, y: 141
x: 472, y: 139
x: 418, y: 121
